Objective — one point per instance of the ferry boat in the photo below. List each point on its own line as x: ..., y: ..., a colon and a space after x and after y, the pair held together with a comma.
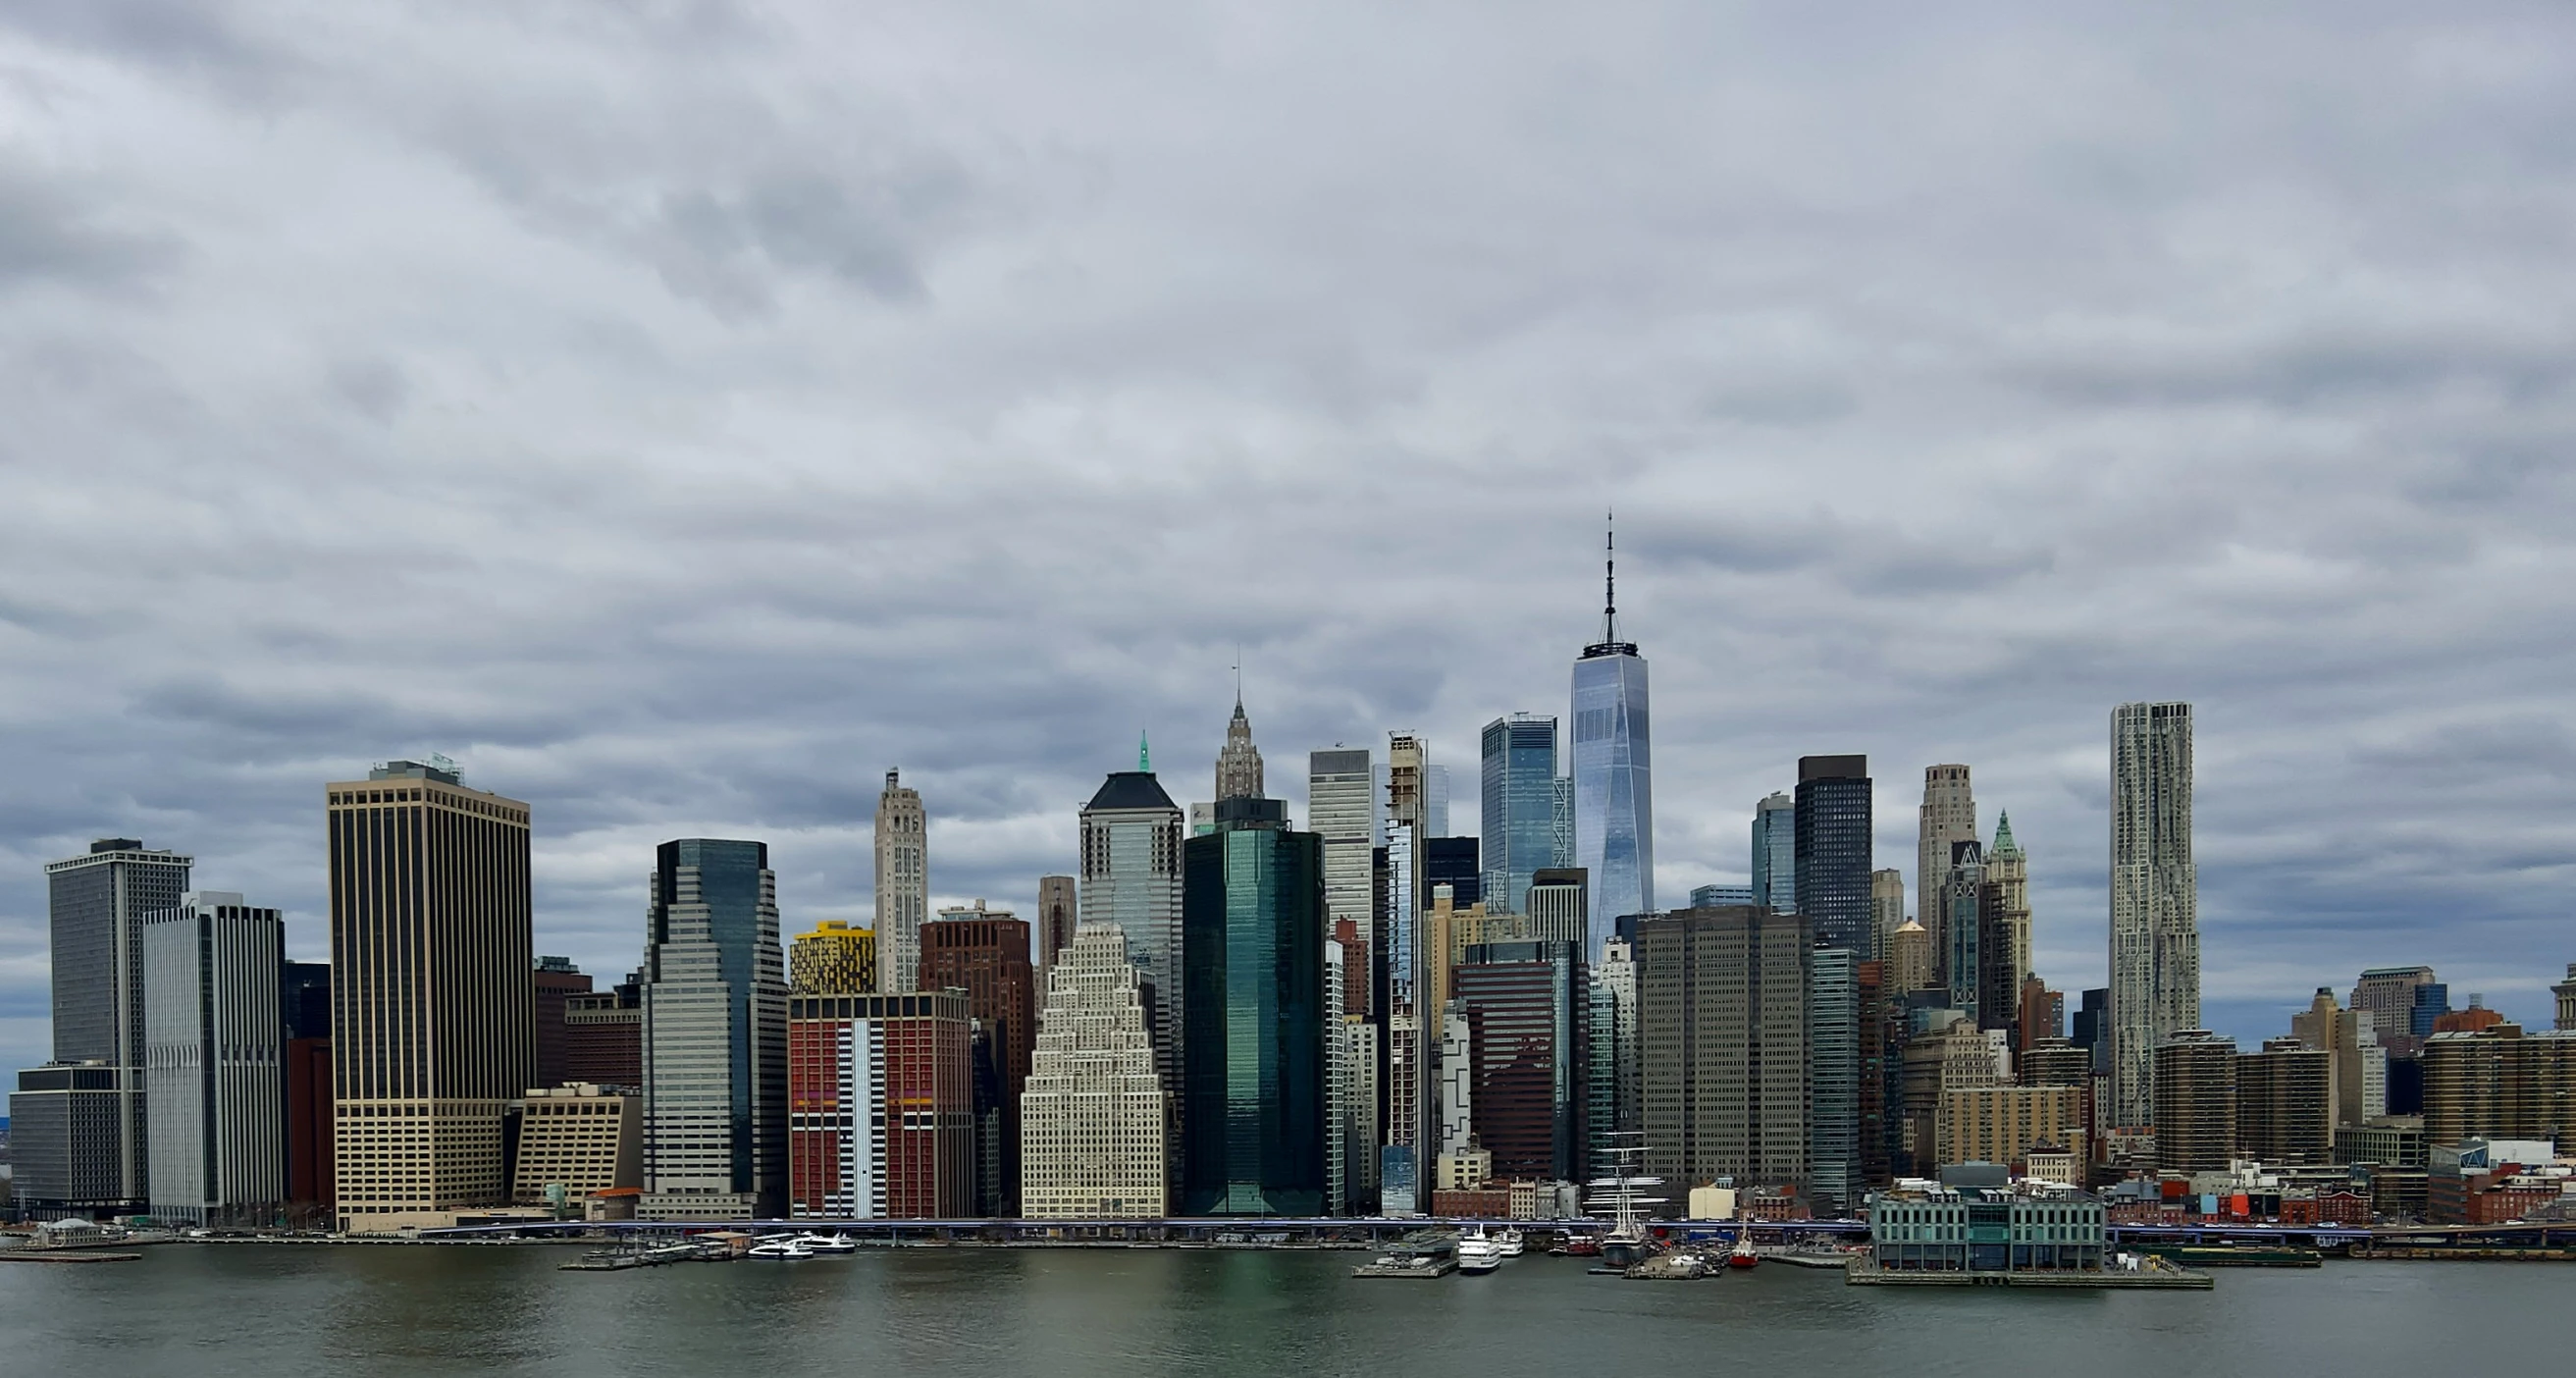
x: 780, y: 1247
x: 1511, y: 1243
x: 1478, y: 1253
x: 833, y: 1243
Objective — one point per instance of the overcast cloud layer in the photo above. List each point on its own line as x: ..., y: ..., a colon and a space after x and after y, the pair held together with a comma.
x: 680, y: 414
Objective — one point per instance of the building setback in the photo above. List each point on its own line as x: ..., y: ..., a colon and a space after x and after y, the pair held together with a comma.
x: 1092, y: 1116
x: 2155, y: 900
x: 881, y: 1107
x: 715, y: 1034
x: 1722, y: 1036
x: 985, y: 953
x: 433, y: 1013
x: 214, y: 1061
x: 97, y: 902
x: 903, y: 882
x: 1252, y: 1114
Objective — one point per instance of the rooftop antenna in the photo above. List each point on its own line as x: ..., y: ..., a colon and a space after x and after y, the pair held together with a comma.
x: 1238, y: 678
x: 1609, y: 576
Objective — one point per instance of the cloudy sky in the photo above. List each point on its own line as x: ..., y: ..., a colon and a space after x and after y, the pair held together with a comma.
x: 679, y: 414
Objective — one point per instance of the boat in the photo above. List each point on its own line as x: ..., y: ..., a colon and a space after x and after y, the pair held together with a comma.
x: 780, y: 1246
x: 1628, y: 1242
x: 1511, y: 1243
x: 1580, y: 1244
x: 1742, y: 1255
x: 1478, y: 1253
x: 833, y: 1243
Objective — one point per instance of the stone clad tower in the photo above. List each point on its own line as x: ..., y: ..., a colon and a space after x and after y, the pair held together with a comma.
x: 903, y: 883
x: 1092, y: 1116
x: 1238, y: 766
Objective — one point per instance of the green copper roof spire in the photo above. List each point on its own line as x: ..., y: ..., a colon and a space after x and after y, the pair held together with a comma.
x: 2003, y: 835
x: 1144, y: 756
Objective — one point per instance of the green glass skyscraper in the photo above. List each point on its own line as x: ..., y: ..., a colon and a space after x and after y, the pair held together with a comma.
x: 1252, y: 963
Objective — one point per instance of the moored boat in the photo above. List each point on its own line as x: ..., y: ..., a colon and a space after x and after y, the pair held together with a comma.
x: 833, y: 1243
x: 780, y: 1247
x: 1478, y: 1253
x: 1742, y: 1255
x: 1511, y: 1243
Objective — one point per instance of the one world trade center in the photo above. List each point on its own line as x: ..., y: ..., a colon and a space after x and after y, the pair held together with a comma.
x: 1614, y: 812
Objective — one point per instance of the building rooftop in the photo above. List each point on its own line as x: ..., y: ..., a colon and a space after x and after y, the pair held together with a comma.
x: 1131, y: 789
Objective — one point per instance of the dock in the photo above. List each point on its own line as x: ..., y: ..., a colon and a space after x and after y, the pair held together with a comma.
x: 2158, y: 1276
x: 1836, y: 1262
x: 64, y: 1256
x: 1416, y: 1266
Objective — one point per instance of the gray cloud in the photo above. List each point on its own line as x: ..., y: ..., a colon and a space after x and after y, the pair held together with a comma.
x: 683, y: 414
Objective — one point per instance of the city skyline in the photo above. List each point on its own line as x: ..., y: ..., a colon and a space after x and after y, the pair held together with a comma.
x: 396, y: 413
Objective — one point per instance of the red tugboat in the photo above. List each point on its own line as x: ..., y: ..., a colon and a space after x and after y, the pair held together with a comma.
x: 1742, y: 1255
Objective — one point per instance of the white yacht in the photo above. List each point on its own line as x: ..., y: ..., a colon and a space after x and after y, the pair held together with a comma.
x: 1510, y: 1242
x: 780, y: 1246
x: 833, y: 1243
x: 1478, y: 1253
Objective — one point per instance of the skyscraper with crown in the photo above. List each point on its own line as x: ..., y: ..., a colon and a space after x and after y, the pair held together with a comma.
x: 1614, y: 813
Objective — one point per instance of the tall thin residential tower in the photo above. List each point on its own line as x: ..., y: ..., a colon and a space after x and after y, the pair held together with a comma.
x: 903, y: 883
x: 2155, y: 898
x: 1614, y: 811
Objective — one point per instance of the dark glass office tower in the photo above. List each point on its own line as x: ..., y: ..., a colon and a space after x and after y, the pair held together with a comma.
x: 1452, y: 861
x: 1833, y: 861
x: 1252, y: 963
x: 1519, y: 813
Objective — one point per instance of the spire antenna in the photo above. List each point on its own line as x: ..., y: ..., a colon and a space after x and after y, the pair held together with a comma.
x: 1609, y: 576
x: 1144, y: 756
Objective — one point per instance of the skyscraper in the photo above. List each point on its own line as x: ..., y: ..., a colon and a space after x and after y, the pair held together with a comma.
x: 1886, y: 908
x: 213, y: 1062
x: 98, y: 901
x: 1722, y: 1030
x: 1453, y: 861
x: 2195, y: 1102
x: 2155, y: 899
x: 1775, y: 853
x: 1435, y: 801
x: 1947, y: 815
x: 2003, y: 921
x: 556, y: 981
x: 985, y: 952
x: 880, y: 1106
x: 1518, y: 813
x: 1238, y: 764
x: 1614, y: 810
x: 715, y: 1034
x: 1058, y: 913
x: 1412, y: 1032
x: 1093, y: 1113
x: 1340, y: 811
x: 1834, y: 1081
x: 1131, y: 876
x: 1524, y: 1006
x: 1962, y: 899
x: 433, y: 1010
x: 1612, y: 1097
x: 1833, y: 832
x: 1253, y: 1117
x: 903, y: 883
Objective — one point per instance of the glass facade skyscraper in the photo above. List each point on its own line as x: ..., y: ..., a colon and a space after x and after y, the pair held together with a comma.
x: 1252, y: 961
x: 1519, y: 807
x: 1775, y: 853
x: 715, y: 1034
x: 1833, y: 850
x: 1614, y: 812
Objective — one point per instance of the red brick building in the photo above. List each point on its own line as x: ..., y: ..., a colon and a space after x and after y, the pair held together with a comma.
x: 987, y: 956
x: 880, y: 1106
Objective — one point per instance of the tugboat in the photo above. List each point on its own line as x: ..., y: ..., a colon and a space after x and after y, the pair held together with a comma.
x: 1742, y: 1255
x: 1477, y: 1253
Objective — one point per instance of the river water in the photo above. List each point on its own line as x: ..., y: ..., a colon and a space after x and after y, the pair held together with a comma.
x: 254, y: 1311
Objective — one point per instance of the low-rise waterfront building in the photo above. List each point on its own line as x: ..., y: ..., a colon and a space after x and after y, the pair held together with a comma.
x: 1981, y: 1230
